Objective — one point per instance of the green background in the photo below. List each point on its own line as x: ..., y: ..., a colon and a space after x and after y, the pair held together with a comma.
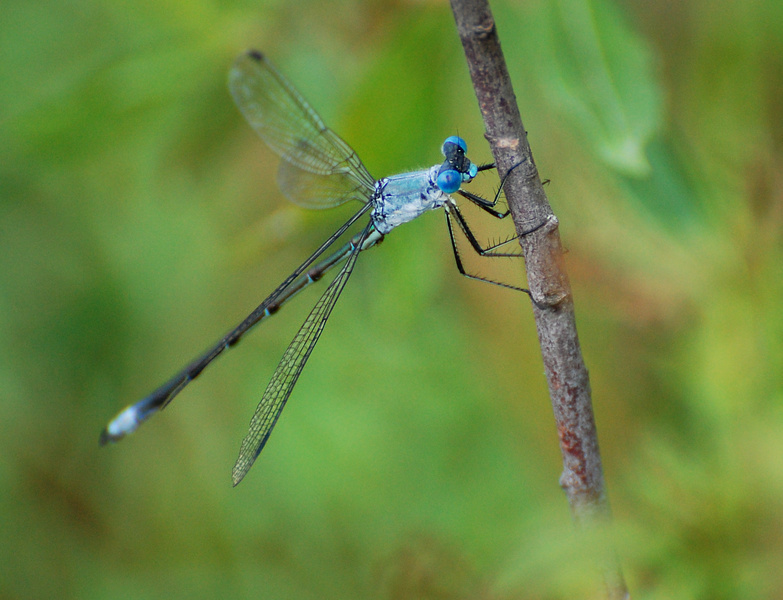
x: 417, y: 458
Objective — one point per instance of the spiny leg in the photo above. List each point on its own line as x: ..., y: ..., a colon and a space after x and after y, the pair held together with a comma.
x: 452, y: 210
x: 461, y: 268
x: 489, y: 205
x: 479, y: 250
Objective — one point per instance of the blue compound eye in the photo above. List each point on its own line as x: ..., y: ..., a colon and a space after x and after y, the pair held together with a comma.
x: 457, y: 141
x: 449, y: 181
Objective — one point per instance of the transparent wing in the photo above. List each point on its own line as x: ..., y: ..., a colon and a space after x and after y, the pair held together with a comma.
x: 319, y: 170
x: 311, y: 190
x: 290, y: 367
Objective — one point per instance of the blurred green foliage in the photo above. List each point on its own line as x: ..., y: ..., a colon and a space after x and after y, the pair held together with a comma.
x: 139, y: 220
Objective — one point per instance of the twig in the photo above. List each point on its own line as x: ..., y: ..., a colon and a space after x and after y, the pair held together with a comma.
x: 566, y: 373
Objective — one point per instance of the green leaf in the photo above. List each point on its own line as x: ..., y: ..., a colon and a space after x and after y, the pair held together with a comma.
x: 602, y: 79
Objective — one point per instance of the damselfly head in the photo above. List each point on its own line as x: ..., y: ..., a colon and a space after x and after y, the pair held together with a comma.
x: 457, y: 168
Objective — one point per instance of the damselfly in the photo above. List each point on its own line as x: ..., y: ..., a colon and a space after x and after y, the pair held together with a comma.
x: 318, y: 170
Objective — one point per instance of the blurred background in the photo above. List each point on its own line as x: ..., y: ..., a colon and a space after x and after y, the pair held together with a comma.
x: 417, y: 458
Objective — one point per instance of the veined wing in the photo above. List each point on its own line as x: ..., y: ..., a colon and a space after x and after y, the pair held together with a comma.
x: 319, y: 170
x: 290, y: 367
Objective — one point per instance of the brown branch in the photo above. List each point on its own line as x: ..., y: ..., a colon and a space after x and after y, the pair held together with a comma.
x: 566, y: 373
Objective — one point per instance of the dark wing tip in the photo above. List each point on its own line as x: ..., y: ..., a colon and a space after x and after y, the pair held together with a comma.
x: 106, y: 437
x: 255, y: 55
